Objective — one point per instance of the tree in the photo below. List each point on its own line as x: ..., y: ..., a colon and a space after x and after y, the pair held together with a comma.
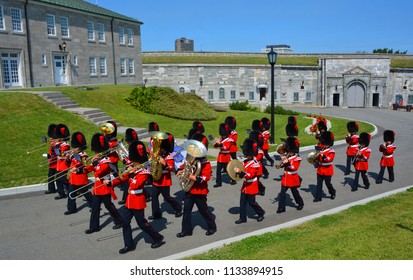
x: 386, y: 50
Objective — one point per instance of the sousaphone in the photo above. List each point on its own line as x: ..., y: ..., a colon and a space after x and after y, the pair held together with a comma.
x: 230, y: 169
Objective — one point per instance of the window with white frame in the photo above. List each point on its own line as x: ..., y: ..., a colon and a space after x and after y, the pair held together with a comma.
x: 123, y: 66
x: 90, y: 31
x: 121, y: 35
x: 102, y: 65
x: 130, y: 37
x: 221, y: 93
x: 92, y: 66
x: 75, y: 59
x: 308, y: 96
x: 2, y: 26
x: 64, y: 27
x: 251, y: 95
x: 131, y: 66
x: 232, y: 94
x: 210, y: 95
x: 44, y: 59
x: 51, y: 25
x: 296, y: 96
x: 16, y: 20
x: 101, y: 32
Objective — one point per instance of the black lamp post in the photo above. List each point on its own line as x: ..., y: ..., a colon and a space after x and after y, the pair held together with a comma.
x: 272, y: 58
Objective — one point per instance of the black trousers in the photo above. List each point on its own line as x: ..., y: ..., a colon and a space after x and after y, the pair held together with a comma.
x: 165, y: 191
x: 201, y: 204
x: 220, y: 166
x: 319, y: 190
x: 62, y: 183
x: 107, y: 201
x: 51, y: 184
x: 363, y: 176
x: 390, y: 170
x: 282, y: 196
x: 143, y: 224
x: 349, y: 161
x: 249, y: 199
x: 71, y: 203
x: 267, y: 156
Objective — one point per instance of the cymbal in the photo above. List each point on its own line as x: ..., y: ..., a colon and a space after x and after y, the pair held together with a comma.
x: 230, y: 169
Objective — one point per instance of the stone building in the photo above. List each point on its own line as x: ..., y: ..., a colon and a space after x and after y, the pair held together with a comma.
x: 184, y: 45
x: 71, y: 42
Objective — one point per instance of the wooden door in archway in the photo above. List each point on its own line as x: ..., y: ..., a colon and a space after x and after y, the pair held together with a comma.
x: 356, y: 95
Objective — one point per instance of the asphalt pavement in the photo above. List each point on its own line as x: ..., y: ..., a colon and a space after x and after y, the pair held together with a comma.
x: 34, y: 227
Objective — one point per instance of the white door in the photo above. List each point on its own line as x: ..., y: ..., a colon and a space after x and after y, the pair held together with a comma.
x: 11, y: 69
x: 59, y: 70
x: 355, y: 95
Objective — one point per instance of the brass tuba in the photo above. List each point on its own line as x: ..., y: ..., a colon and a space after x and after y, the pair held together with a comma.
x: 192, y: 165
x: 156, y: 166
x: 107, y: 128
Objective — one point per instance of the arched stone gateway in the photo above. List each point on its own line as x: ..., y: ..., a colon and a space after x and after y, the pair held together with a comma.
x: 356, y: 94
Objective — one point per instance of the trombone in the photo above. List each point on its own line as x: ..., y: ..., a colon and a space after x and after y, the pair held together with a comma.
x: 38, y: 147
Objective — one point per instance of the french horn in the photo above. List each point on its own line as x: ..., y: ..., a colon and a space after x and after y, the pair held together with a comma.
x: 312, y: 157
x: 192, y: 165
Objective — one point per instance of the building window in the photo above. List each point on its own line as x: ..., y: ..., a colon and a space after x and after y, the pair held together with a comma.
x: 101, y: 32
x: 410, y: 99
x: 242, y: 94
x: 232, y: 94
x: 131, y: 68
x: 181, y: 90
x: 210, y: 95
x: 121, y: 35
x: 44, y: 60
x: 64, y: 26
x: 16, y: 20
x: 251, y: 95
x: 102, y: 65
x: 90, y: 31
x: 123, y: 66
x: 296, y: 95
x: 75, y: 59
x: 51, y: 26
x: 92, y: 66
x: 221, y: 93
x: 308, y: 96
x: 130, y: 37
x: 2, y: 26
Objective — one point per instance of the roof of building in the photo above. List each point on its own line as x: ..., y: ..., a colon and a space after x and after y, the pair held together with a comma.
x: 84, y: 6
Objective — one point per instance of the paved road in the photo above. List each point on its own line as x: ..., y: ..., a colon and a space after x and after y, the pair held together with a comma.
x: 34, y: 227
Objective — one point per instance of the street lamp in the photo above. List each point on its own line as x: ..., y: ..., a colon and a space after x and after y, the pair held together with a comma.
x: 272, y: 58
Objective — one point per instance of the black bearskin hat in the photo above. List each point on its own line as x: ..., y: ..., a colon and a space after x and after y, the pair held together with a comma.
x: 115, y: 126
x: 256, y: 125
x: 130, y: 135
x: 257, y: 137
x: 321, y: 125
x: 224, y: 130
x: 231, y: 121
x: 192, y: 132
x: 388, y: 135
x: 201, y: 138
x: 99, y: 143
x: 364, y: 139
x: 327, y: 138
x: 198, y: 125
x: 292, y: 120
x: 292, y: 145
x: 137, y: 152
x: 168, y: 144
x: 62, y: 131
x: 153, y: 126
x: 266, y: 123
x: 352, y: 127
x: 51, y: 130
x: 250, y: 147
x: 291, y: 130
x: 78, y: 140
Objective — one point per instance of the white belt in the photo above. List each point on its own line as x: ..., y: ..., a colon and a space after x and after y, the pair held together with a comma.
x: 107, y: 177
x: 165, y: 171
x: 390, y: 156
x: 136, y: 191
x: 325, y: 163
x: 251, y: 180
x: 291, y: 172
x: 354, y: 146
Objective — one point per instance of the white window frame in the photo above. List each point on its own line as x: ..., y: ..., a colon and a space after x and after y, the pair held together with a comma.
x: 123, y: 66
x: 90, y: 31
x: 308, y: 96
x: 64, y: 27
x: 101, y: 32
x: 75, y: 60
x: 44, y: 59
x: 251, y: 96
x: 130, y: 36
x: 92, y: 66
x: 121, y: 35
x: 222, y: 93
x: 296, y: 96
x: 16, y: 19
x: 2, y: 25
x: 51, y: 25
x: 102, y: 66
x: 233, y: 95
x: 131, y: 66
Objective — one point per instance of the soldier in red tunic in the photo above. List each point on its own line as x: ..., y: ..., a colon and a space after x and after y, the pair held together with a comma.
x: 136, y: 202
x: 101, y: 165
x: 78, y: 173
x: 249, y: 187
x: 257, y: 137
x: 387, y: 160
x: 232, y: 123
x: 52, y: 159
x: 325, y: 168
x: 198, y: 195
x: 321, y: 127
x: 61, y: 146
x: 361, y: 161
x: 290, y: 179
x: 267, y: 135
x: 224, y: 144
x: 164, y: 183
x: 352, y: 140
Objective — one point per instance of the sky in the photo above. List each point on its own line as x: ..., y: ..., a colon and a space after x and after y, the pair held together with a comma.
x: 307, y: 26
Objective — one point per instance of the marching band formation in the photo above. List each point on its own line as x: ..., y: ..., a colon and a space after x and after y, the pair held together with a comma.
x: 155, y: 163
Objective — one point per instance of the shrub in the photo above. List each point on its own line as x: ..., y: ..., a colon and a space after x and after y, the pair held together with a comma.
x: 279, y: 110
x: 243, y: 106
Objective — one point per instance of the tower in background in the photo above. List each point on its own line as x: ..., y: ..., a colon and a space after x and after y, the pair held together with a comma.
x: 184, y: 45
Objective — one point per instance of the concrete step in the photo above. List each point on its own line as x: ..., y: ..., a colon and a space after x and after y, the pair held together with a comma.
x: 52, y: 94
x: 57, y: 98
x: 100, y: 120
x: 69, y: 106
x: 96, y: 115
x: 64, y: 102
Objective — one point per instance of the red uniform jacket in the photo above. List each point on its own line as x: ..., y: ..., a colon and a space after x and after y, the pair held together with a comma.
x: 362, y: 159
x: 387, y: 159
x: 290, y: 177
x: 353, y: 144
x: 52, y: 155
x: 78, y: 178
x: 137, y: 181
x: 259, y: 158
x: 325, y: 165
x: 234, y: 137
x: 224, y: 152
x: 266, y: 137
x: 166, y: 178
x: 102, y: 172
x: 200, y: 187
x: 250, y: 184
x: 62, y: 163
x: 114, y: 157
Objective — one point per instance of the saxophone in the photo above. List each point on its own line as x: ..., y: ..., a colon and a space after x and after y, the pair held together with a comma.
x: 194, y: 150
